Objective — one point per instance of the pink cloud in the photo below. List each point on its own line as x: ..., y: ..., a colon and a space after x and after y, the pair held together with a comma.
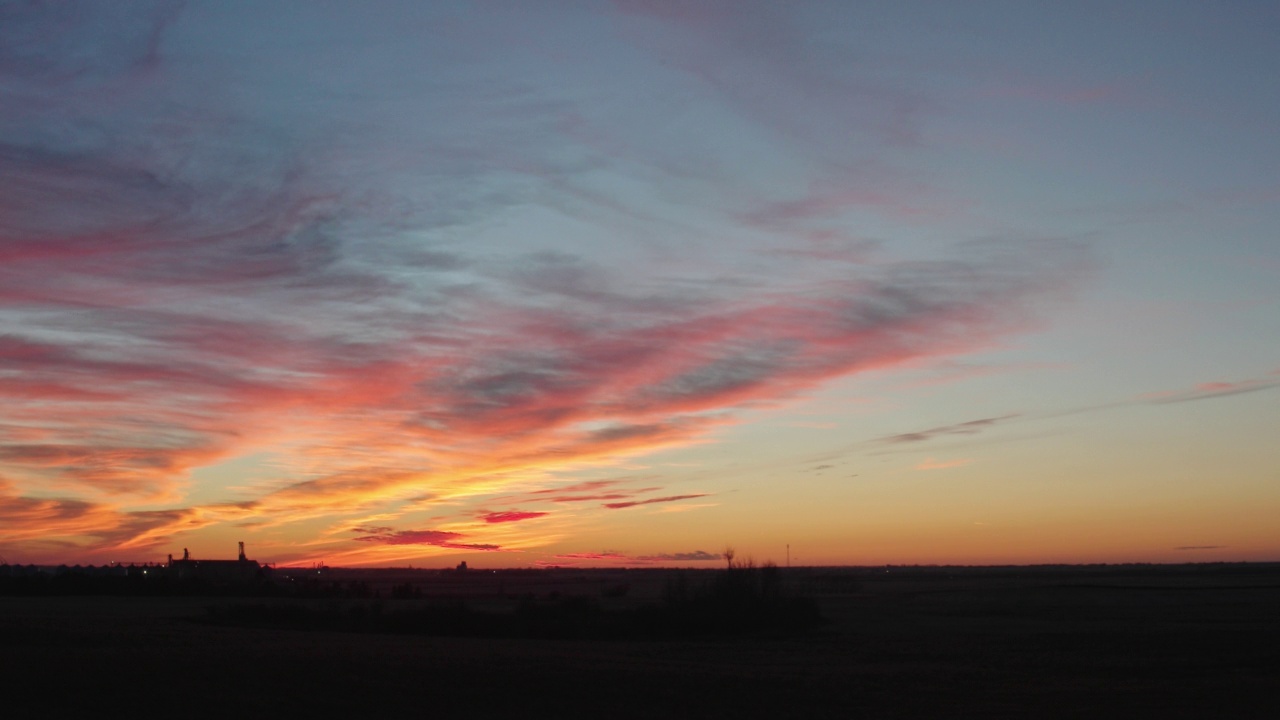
x: 512, y: 387
x: 1210, y: 390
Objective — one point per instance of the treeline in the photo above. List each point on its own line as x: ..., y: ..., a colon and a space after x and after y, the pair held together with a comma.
x: 161, y: 581
x: 132, y: 584
x: 740, y: 601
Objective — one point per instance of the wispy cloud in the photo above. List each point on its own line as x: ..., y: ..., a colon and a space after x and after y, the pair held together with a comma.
x: 651, y: 501
x: 511, y: 516
x: 621, y: 558
x: 196, y: 267
x: 606, y: 556
x: 438, y: 538
x: 695, y: 556
x: 1211, y: 390
x: 50, y: 527
x: 969, y: 427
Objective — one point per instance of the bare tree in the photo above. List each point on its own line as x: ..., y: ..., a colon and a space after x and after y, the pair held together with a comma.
x: 728, y: 556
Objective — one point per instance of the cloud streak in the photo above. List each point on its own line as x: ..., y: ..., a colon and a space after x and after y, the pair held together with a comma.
x: 511, y: 516
x: 49, y: 527
x: 651, y: 501
x: 436, y: 538
x: 610, y: 556
x: 695, y: 556
x: 1212, y: 390
x: 969, y: 427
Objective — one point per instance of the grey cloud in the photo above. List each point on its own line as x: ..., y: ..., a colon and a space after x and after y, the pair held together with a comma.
x: 628, y: 432
x: 438, y: 538
x: 695, y: 556
x: 971, y: 427
x: 14, y: 509
x: 741, y: 369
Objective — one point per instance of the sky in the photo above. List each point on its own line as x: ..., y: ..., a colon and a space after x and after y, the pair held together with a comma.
x: 626, y: 284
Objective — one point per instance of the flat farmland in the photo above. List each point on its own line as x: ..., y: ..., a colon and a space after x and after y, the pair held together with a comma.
x: 1130, y: 641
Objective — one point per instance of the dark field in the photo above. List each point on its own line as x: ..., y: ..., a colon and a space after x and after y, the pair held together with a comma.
x: 1197, y: 641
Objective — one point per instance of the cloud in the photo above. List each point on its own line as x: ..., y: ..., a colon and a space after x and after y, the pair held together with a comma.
x: 196, y: 268
x: 585, y: 486
x: 623, y: 558
x: 970, y: 427
x: 587, y: 498
x: 586, y: 491
x: 511, y: 516
x: 437, y: 538
x: 695, y: 556
x: 50, y: 527
x: 609, y: 556
x: 1204, y: 391
x: 1200, y: 547
x: 1211, y: 390
x: 650, y: 501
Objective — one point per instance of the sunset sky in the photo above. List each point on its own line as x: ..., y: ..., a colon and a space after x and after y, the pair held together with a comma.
x: 596, y: 284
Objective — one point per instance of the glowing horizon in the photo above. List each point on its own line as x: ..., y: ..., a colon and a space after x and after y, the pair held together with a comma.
x: 627, y: 283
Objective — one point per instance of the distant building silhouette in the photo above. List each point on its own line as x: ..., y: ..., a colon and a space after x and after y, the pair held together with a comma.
x: 221, y: 572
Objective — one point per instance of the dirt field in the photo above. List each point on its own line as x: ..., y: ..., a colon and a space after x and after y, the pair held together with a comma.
x: 1188, y: 642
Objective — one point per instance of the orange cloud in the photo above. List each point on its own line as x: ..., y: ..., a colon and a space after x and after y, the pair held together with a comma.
x: 511, y: 516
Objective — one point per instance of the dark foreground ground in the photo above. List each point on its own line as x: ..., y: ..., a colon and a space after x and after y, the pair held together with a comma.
x: 1161, y: 642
